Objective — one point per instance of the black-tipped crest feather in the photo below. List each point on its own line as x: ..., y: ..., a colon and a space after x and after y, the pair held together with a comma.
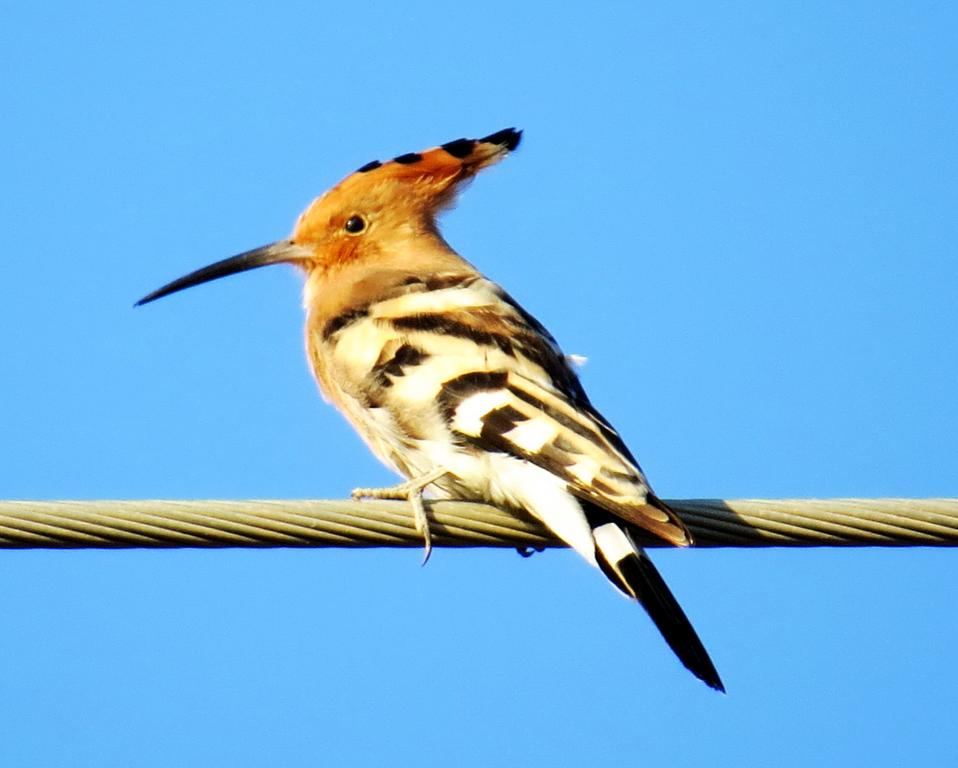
x: 507, y: 137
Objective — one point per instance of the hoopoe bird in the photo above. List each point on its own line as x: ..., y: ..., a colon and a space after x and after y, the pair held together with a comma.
x: 453, y: 384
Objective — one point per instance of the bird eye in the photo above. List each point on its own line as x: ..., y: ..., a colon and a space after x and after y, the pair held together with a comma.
x: 355, y: 224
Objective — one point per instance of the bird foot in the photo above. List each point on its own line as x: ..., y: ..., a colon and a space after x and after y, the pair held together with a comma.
x: 410, y: 491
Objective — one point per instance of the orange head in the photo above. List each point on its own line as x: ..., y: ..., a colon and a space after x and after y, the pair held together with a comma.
x: 370, y: 216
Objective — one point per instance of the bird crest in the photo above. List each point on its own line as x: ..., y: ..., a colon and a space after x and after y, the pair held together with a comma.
x: 406, y: 192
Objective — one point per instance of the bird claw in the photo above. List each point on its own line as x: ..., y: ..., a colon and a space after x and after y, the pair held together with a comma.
x: 422, y: 525
x: 410, y: 491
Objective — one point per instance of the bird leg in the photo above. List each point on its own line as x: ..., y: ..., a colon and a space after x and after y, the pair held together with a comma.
x: 411, y: 491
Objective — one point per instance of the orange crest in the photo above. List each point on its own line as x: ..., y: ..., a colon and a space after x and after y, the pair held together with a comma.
x: 407, y: 191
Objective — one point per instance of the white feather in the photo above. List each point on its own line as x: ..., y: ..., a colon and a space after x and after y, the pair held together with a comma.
x: 613, y: 543
x: 585, y: 469
x: 423, y: 383
x: 505, y: 480
x: 518, y: 482
x: 531, y: 435
x: 469, y: 413
x: 358, y: 347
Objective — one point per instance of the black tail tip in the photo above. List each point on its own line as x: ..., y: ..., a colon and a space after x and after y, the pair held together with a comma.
x: 646, y: 584
x: 508, y: 138
x: 713, y: 681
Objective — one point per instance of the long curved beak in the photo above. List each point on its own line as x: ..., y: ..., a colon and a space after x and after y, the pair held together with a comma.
x: 274, y: 253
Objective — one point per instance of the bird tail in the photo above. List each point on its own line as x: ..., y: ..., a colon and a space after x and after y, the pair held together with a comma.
x: 630, y: 569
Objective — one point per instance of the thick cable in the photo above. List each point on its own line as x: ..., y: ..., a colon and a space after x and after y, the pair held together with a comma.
x: 301, y: 523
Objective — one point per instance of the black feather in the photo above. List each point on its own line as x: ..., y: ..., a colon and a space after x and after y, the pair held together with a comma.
x: 507, y: 137
x: 458, y: 389
x: 407, y: 356
x: 659, y: 602
x: 460, y: 148
x: 497, y: 422
x: 339, y: 322
x: 635, y: 575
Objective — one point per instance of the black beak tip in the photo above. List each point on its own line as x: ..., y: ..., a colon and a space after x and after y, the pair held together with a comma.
x: 146, y: 299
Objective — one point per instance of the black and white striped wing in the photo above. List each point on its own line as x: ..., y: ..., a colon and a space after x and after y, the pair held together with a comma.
x: 535, y: 409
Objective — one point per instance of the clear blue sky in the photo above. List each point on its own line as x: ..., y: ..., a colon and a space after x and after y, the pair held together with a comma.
x: 745, y: 216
